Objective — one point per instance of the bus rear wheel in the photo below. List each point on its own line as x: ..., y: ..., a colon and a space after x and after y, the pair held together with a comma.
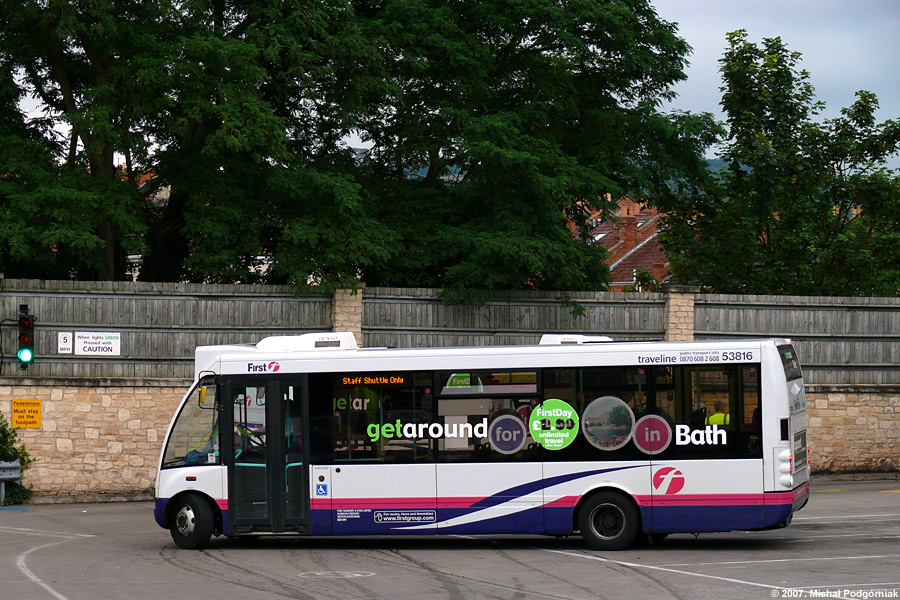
x: 192, y: 522
x: 608, y: 521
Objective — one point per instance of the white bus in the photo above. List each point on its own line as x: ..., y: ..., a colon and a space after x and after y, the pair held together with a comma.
x: 616, y: 440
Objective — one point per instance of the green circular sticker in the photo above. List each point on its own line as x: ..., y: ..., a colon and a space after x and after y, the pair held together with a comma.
x: 553, y: 424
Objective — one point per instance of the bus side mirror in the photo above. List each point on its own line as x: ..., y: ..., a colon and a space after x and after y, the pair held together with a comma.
x: 207, y: 397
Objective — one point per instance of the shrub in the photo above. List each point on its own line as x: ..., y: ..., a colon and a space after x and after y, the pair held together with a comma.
x: 9, y: 451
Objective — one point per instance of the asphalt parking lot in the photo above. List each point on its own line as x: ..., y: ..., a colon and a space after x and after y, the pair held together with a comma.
x: 844, y: 544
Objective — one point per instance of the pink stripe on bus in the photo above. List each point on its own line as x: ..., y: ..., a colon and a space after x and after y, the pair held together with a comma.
x: 708, y: 499
x: 565, y: 501
x: 713, y: 499
x: 447, y: 502
x: 337, y: 503
x: 458, y: 501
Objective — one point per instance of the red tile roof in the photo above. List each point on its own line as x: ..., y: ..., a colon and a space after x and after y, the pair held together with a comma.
x: 632, y: 240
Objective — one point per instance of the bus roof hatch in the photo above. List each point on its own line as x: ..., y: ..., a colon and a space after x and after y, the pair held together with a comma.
x: 338, y: 340
x: 560, y: 339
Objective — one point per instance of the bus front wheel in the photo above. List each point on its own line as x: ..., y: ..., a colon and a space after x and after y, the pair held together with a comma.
x: 608, y: 521
x: 192, y: 522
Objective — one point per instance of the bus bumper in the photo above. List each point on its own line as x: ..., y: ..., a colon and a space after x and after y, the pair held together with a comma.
x: 159, y: 511
x: 800, y: 496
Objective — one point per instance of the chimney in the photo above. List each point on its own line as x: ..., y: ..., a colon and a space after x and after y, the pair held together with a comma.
x: 628, y: 225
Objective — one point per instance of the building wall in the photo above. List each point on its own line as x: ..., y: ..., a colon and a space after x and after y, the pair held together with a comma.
x: 98, y: 439
x: 854, y: 428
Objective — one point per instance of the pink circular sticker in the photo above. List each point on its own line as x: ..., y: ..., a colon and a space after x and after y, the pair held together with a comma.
x: 652, y: 434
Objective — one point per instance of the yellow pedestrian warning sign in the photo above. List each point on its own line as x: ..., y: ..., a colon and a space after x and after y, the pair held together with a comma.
x: 26, y: 414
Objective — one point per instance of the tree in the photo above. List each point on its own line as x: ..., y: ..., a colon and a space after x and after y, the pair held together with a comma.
x: 51, y: 214
x: 233, y: 109
x: 802, y: 207
x: 505, y: 118
x: 490, y: 124
x: 258, y: 101
x: 81, y: 214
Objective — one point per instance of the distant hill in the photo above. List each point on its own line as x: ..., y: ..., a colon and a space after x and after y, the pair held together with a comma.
x: 362, y: 155
x: 715, y: 164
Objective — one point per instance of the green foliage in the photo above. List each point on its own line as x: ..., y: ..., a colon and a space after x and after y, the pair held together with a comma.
x: 16, y: 494
x: 801, y: 207
x: 619, y: 416
x: 9, y: 451
x: 491, y: 125
x: 644, y: 282
x: 503, y: 119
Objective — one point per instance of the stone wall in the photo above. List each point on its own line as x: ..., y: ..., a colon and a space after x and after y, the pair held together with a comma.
x: 346, y: 312
x: 678, y: 314
x: 853, y: 429
x: 98, y: 439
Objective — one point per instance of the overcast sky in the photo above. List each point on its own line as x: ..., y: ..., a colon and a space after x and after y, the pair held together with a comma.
x: 847, y: 45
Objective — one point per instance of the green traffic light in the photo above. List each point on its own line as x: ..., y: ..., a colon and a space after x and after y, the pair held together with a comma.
x: 25, y: 355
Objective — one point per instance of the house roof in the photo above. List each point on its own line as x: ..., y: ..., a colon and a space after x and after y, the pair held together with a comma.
x: 632, y: 240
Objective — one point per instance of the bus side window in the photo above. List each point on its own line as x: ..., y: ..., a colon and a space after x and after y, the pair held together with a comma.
x: 195, y: 436
x: 713, y: 391
x: 750, y: 388
x: 355, y: 417
x: 324, y: 426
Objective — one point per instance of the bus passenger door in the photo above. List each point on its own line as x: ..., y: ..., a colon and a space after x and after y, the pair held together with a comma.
x: 292, y: 491
x: 247, y: 454
x: 267, y: 469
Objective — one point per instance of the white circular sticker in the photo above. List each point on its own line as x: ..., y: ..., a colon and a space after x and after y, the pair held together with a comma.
x: 607, y: 423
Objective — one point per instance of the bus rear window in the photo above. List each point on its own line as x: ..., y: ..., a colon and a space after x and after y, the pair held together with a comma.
x: 789, y: 361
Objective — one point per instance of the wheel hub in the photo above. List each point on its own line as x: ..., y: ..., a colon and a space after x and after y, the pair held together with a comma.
x: 184, y: 521
x: 608, y: 521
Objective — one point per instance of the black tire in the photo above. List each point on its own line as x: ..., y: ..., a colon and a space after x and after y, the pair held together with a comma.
x: 608, y: 521
x: 192, y: 522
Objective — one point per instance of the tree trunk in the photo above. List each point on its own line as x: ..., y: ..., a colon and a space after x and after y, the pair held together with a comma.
x: 166, y: 246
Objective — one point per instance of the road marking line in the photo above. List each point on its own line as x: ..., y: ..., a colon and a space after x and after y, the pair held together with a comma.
x: 23, y: 531
x: 20, y: 562
x: 889, y: 492
x: 668, y: 570
x: 867, y: 521
x: 845, y: 586
x: 838, y: 535
x: 777, y: 560
x: 844, y: 517
x: 829, y: 491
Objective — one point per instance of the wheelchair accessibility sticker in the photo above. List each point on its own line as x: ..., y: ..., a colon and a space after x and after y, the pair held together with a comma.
x: 321, y: 489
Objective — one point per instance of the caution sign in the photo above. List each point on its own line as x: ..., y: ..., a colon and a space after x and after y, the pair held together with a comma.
x: 26, y: 414
x: 98, y: 343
